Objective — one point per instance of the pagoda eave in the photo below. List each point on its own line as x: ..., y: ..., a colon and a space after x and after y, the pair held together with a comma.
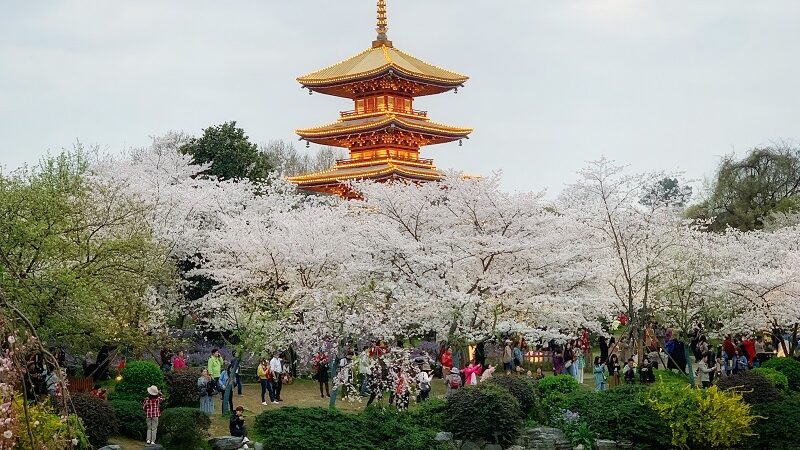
x: 383, y: 124
x: 350, y: 170
x: 349, y: 88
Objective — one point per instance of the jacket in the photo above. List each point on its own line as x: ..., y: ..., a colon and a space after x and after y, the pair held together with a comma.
x: 703, y: 370
x: 215, y: 366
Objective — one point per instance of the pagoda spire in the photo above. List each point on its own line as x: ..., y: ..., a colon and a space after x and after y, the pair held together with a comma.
x: 383, y: 27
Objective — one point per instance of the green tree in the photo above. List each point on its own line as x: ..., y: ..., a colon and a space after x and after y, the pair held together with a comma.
x: 230, y: 153
x: 77, y: 259
x: 667, y: 190
x: 746, y: 192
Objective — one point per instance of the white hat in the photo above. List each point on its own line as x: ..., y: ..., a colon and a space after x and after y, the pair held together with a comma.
x: 152, y: 390
x: 454, y: 370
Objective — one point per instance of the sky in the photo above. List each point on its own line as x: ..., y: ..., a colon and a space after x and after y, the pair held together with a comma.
x: 658, y: 85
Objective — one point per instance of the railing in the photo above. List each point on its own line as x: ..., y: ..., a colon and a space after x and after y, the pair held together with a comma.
x: 413, y: 112
x: 347, y: 162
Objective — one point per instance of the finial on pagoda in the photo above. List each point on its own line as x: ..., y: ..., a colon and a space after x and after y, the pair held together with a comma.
x: 383, y: 27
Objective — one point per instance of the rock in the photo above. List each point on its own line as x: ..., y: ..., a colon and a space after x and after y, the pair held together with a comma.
x: 111, y: 447
x: 516, y: 447
x: 605, y: 444
x: 153, y: 447
x: 443, y: 436
x: 493, y: 447
x: 225, y: 443
x: 624, y: 444
x: 258, y: 446
x: 543, y: 438
x: 470, y: 445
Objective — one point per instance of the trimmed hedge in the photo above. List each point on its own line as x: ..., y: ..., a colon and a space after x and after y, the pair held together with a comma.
x: 775, y: 428
x: 98, y: 417
x: 787, y: 366
x: 183, y: 428
x: 132, y: 423
x: 564, y: 384
x: 182, y: 387
x: 621, y: 413
x: 293, y: 428
x: 136, y: 378
x: 485, y: 412
x: 754, y: 387
x: 777, y: 379
x: 521, y: 388
x: 430, y: 414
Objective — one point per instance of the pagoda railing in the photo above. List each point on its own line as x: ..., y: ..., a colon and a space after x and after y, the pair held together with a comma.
x: 412, y: 112
x: 416, y: 161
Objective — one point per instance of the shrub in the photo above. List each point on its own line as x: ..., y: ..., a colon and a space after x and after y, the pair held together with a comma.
x: 430, y: 414
x: 97, y: 416
x: 668, y: 376
x: 47, y: 428
x: 701, y: 418
x: 521, y: 388
x: 132, y: 423
x: 485, y: 412
x: 777, y: 379
x: 787, y: 366
x: 621, y: 413
x: 136, y: 378
x: 293, y: 428
x: 564, y: 384
x: 390, y: 429
x: 183, y: 428
x: 773, y: 426
x: 754, y: 387
x: 182, y: 387
x: 575, y: 429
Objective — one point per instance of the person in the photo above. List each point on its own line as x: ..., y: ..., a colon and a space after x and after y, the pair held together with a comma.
x: 237, y: 428
x: 508, y: 357
x: 226, y: 381
x: 599, y: 372
x: 320, y: 364
x: 728, y: 352
x: 166, y: 360
x: 603, y: 348
x: 207, y: 388
x: 423, y: 380
x: 517, y: 352
x: 704, y: 369
x: 471, y: 373
x: 265, y: 380
x: 276, y: 366
x: 580, y: 365
x: 152, y: 411
x: 538, y: 375
x: 739, y: 362
x: 613, y: 370
x: 488, y: 373
x: 215, y: 364
x: 236, y: 363
x: 624, y: 349
x: 629, y: 372
x: 364, y: 367
x: 646, y: 371
x: 446, y: 359
x: 99, y: 392
x: 568, y: 359
x: 452, y: 381
x: 402, y: 390
x: 179, y: 361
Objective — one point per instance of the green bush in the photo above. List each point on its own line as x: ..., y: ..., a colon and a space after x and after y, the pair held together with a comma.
x: 430, y: 414
x: 136, y: 378
x: 521, y: 388
x: 564, y: 384
x: 621, y: 413
x: 774, y: 426
x: 130, y: 415
x: 293, y: 428
x: 668, y: 376
x: 182, y: 387
x: 754, y: 387
x: 777, y: 379
x: 484, y: 412
x: 787, y: 366
x: 98, y: 417
x: 701, y: 418
x: 183, y: 428
x: 49, y: 430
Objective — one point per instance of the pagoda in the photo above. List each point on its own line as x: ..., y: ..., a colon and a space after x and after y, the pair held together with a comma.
x: 383, y: 133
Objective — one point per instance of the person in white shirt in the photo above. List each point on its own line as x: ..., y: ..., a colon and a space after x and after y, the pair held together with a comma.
x: 364, y: 369
x: 423, y: 380
x: 276, y: 366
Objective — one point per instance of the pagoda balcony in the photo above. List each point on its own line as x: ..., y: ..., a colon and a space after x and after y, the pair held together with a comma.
x: 359, y: 161
x: 411, y: 112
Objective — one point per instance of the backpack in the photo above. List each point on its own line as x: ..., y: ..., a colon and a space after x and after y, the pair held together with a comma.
x: 210, y: 388
x: 455, y: 382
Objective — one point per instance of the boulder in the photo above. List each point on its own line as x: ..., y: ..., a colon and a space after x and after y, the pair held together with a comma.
x: 110, y: 447
x: 470, y: 445
x: 153, y: 447
x: 544, y: 438
x: 225, y: 443
x: 258, y: 446
x: 605, y: 444
x: 443, y: 436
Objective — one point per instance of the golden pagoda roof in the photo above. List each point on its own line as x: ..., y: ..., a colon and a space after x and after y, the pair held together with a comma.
x: 374, y: 122
x: 369, y: 170
x: 376, y: 61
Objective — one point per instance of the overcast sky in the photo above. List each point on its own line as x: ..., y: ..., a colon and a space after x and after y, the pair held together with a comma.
x: 554, y: 83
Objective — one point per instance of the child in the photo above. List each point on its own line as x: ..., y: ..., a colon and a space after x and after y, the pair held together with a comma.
x: 452, y: 381
x: 152, y: 411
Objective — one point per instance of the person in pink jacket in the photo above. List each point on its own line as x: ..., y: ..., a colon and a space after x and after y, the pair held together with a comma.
x: 471, y: 373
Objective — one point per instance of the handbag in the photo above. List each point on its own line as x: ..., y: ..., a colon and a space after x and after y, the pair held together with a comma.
x: 568, y: 364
